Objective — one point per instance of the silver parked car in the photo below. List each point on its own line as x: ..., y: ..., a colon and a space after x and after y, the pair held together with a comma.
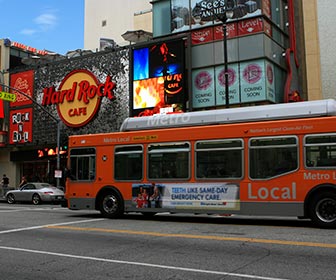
x: 35, y: 193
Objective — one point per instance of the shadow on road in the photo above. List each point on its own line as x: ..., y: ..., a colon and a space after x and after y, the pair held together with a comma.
x: 211, y: 219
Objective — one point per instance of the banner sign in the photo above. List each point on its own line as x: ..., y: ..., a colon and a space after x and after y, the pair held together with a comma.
x: 253, y: 81
x: 233, y: 78
x: 21, y: 126
x: 233, y: 29
x: 249, y: 82
x: 203, y: 83
x: 202, y: 36
x: 270, y: 84
x: 207, y: 196
x: 24, y: 82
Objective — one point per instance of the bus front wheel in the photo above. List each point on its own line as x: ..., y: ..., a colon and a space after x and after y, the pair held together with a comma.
x: 323, y: 210
x: 111, y: 205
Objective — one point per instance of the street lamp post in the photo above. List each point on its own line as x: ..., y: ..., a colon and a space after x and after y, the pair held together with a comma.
x: 224, y: 17
x: 58, y: 121
x: 227, y: 14
x: 226, y: 74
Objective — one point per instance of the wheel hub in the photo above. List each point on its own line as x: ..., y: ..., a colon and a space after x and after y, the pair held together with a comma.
x: 326, y: 210
x: 110, y: 204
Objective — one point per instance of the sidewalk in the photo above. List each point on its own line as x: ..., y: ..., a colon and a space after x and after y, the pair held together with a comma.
x: 2, y: 198
x: 2, y: 191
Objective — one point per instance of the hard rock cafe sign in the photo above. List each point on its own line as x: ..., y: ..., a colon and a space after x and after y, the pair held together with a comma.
x: 78, y: 97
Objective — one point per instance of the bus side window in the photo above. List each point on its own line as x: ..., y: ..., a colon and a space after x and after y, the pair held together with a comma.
x: 82, y: 164
x: 272, y: 156
x: 168, y: 160
x: 320, y: 150
x: 128, y: 162
x: 219, y: 159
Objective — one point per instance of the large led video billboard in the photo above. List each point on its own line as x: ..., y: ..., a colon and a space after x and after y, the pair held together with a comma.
x: 158, y: 78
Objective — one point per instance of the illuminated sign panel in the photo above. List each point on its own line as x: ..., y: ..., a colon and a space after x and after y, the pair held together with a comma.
x: 78, y: 97
x: 24, y: 82
x: 158, y: 77
x: 21, y: 126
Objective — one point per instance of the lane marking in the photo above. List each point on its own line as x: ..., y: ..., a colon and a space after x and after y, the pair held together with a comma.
x: 49, y: 225
x: 13, y: 208
x: 21, y: 209
x: 9, y: 211
x: 29, y: 209
x: 141, y: 264
x: 209, y: 237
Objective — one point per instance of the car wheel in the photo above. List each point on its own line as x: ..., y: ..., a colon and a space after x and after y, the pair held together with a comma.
x: 111, y: 205
x: 323, y: 210
x: 10, y: 198
x: 36, y: 199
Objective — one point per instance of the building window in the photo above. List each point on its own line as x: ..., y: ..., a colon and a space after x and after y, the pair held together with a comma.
x: 104, y: 22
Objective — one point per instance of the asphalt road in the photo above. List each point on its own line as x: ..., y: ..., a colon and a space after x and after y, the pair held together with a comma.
x: 49, y: 242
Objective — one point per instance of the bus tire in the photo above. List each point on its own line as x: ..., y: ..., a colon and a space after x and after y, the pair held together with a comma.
x: 323, y: 210
x: 111, y: 205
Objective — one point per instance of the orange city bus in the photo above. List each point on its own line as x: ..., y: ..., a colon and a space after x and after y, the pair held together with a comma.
x: 277, y: 160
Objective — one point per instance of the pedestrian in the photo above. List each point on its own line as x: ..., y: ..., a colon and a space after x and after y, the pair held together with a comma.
x: 5, y: 184
x: 23, y: 181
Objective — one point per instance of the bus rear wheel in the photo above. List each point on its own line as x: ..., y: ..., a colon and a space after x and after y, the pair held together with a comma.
x: 323, y: 210
x: 111, y: 205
